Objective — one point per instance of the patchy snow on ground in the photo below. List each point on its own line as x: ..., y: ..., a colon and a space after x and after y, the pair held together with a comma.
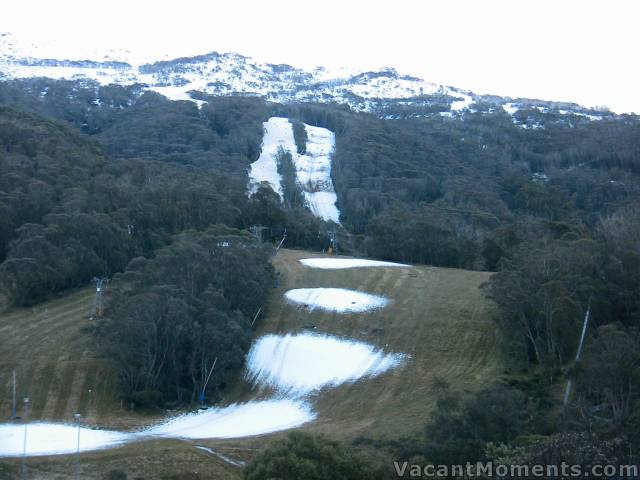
x: 313, y: 173
x: 55, y: 439
x: 296, y: 365
x: 339, y: 263
x: 278, y: 133
x: 510, y: 108
x: 234, y: 421
x: 459, y: 105
x: 313, y: 170
x: 335, y: 299
x: 237, y: 420
x: 323, y: 205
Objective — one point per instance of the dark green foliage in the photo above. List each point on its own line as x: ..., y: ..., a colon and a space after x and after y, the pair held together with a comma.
x: 300, y: 136
x: 116, y: 475
x: 544, y: 290
x: 84, y: 104
x: 410, y: 236
x: 292, y: 193
x: 69, y: 215
x: 465, y: 181
x: 306, y: 457
x: 225, y: 134
x: 552, y: 209
x: 609, y: 377
x: 555, y: 271
x: 570, y: 449
x: 461, y: 426
x: 302, y: 229
x: 68, y: 250
x: 171, y: 316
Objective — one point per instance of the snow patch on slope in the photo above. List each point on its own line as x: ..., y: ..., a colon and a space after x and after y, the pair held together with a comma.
x: 237, y: 420
x: 313, y: 173
x: 234, y: 421
x: 297, y: 365
x: 56, y: 439
x: 459, y: 105
x: 336, y: 299
x: 278, y: 134
x: 313, y: 169
x: 211, y: 73
x: 510, y: 108
x: 339, y: 263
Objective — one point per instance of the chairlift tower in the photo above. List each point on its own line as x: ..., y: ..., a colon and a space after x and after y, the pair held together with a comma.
x: 98, y: 301
x: 333, y: 236
x: 277, y: 248
x: 256, y: 231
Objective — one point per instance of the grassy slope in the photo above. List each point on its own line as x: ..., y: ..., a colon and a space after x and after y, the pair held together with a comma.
x: 438, y: 316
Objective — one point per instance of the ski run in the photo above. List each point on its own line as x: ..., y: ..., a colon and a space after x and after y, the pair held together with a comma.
x: 340, y: 263
x: 335, y: 299
x: 313, y: 169
x: 294, y: 366
x: 297, y: 365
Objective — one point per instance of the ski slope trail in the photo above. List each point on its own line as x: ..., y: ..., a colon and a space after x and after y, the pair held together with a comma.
x: 297, y: 365
x: 313, y: 168
x: 235, y: 421
x: 313, y: 172
x: 346, y: 375
x: 55, y: 439
x: 278, y: 134
x: 341, y: 263
x: 339, y: 300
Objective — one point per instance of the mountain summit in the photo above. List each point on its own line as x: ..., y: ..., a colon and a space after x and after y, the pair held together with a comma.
x: 384, y: 92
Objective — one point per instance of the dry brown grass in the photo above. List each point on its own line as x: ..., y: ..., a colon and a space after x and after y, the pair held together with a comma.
x: 438, y: 316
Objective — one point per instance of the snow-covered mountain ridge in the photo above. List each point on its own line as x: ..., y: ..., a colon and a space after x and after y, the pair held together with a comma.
x: 384, y: 92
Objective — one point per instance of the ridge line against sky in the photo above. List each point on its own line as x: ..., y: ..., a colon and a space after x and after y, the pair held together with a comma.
x: 570, y: 50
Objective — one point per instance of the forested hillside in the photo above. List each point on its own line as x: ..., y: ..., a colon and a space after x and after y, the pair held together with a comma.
x: 111, y: 181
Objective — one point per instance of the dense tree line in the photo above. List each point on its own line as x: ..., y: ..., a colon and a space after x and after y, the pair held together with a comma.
x: 75, y: 206
x: 69, y: 214
x: 551, y: 275
x: 553, y: 211
x: 292, y: 193
x: 464, y: 181
x: 100, y: 180
x: 308, y: 457
x: 172, y: 316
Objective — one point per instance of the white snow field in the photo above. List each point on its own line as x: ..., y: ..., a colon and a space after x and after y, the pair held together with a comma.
x: 313, y: 173
x: 297, y: 365
x: 234, y: 421
x: 278, y: 133
x: 56, y: 439
x: 340, y: 263
x: 313, y: 170
x: 237, y: 420
x: 336, y: 299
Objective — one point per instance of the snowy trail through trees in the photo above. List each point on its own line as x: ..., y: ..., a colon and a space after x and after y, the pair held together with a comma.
x: 278, y: 134
x: 313, y: 168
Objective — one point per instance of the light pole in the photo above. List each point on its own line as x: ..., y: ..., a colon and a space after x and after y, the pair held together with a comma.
x: 24, y: 439
x: 77, y: 417
x: 13, y: 408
